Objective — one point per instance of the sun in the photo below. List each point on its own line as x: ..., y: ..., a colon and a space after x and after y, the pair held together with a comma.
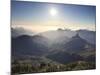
x: 53, y: 12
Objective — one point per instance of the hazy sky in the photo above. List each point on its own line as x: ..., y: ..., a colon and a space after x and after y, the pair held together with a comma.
x: 39, y: 17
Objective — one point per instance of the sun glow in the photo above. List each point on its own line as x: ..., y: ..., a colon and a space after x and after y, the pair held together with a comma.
x: 53, y: 12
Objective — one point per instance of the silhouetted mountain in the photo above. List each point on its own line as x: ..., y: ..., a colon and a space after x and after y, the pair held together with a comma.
x: 29, y: 45
x: 69, y: 51
x: 18, y: 31
x: 62, y: 46
x: 89, y: 36
x: 76, y: 44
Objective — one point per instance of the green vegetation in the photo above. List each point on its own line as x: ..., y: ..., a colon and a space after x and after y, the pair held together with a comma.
x: 23, y: 67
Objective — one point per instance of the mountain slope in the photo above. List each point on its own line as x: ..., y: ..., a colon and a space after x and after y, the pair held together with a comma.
x: 55, y: 45
x: 64, y: 57
x: 76, y: 44
x: 89, y: 36
x: 16, y: 32
x: 29, y: 45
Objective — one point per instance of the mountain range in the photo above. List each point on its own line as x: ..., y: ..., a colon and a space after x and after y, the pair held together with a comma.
x: 60, y: 45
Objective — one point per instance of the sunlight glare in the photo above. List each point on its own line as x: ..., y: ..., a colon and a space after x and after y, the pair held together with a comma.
x: 53, y: 11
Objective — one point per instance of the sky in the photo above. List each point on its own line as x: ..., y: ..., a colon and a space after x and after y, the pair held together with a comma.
x: 41, y: 17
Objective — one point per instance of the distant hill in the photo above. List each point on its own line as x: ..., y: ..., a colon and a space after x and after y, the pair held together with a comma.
x: 89, y: 36
x: 16, y: 32
x: 58, y: 34
x: 76, y: 44
x: 28, y: 45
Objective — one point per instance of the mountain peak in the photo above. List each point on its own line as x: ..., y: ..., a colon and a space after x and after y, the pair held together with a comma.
x: 63, y: 29
x: 60, y: 29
